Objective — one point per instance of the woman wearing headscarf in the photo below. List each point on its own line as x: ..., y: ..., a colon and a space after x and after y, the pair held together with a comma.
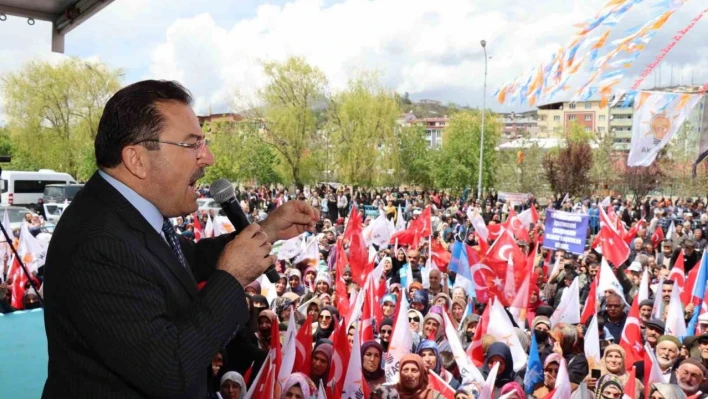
x: 372, y: 364
x: 430, y: 353
x: 550, y: 373
x: 534, y: 303
x: 325, y: 299
x: 388, y: 305
x: 265, y: 322
x: 666, y: 391
x: 609, y: 387
x: 612, y: 363
x: 443, y: 300
x: 457, y: 311
x: 433, y: 327
x: 295, y: 282
x: 469, y: 328
x: 325, y: 323
x: 298, y: 385
x: 500, y: 353
x: 385, y: 333
x: 322, y: 283
x: 514, y: 390
x: 233, y: 386
x: 321, y: 360
x: 413, y: 382
x: 459, y: 293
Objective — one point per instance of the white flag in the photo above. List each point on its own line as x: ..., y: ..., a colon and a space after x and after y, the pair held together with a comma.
x: 608, y: 281
x: 267, y: 289
x: 503, y: 330
x: 353, y: 381
x: 209, y: 227
x: 644, y: 286
x: 671, y: 231
x: 568, y: 310
x: 468, y: 371
x: 7, y: 225
x: 478, y: 224
x: 488, y: 386
x: 289, y: 350
x: 657, y: 312
x: 401, y: 343
x: 675, y: 322
x: 563, y: 388
x: 290, y: 248
x: 657, y: 116
x: 592, y: 344
x: 400, y: 221
x: 311, y: 251
x: 377, y: 232
x: 520, y: 303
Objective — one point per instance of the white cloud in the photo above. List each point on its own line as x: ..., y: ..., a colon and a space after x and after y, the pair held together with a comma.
x: 421, y: 46
x: 428, y: 48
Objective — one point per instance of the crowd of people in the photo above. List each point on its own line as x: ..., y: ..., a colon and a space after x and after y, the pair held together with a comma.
x: 306, y: 291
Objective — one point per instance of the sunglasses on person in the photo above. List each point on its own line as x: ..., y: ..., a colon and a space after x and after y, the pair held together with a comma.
x: 325, y: 317
x: 386, y: 332
x: 414, y: 319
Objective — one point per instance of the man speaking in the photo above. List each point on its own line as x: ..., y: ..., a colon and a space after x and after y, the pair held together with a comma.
x: 123, y: 314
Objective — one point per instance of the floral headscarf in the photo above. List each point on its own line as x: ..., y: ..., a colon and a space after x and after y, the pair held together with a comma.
x: 309, y: 390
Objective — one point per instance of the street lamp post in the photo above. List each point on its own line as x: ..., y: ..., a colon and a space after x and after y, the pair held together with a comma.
x: 484, y: 106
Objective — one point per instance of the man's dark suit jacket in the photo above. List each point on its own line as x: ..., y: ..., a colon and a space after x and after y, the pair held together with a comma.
x: 124, y: 318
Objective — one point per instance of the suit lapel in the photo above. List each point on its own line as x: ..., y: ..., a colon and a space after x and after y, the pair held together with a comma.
x: 97, y: 186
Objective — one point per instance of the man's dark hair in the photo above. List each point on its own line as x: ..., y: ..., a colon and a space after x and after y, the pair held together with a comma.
x: 131, y: 116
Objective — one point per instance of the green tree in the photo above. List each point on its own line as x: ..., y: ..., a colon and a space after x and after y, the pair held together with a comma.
x: 603, y: 173
x: 568, y: 168
x: 361, y: 121
x: 291, y: 126
x: 521, y: 170
x: 681, y: 152
x: 53, y: 112
x: 457, y: 163
x: 414, y: 163
x: 240, y: 155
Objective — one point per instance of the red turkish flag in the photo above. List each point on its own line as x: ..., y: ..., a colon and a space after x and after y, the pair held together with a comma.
x: 474, y: 351
x: 265, y: 380
x: 198, y: 230
x: 590, y: 303
x: 613, y: 247
x: 418, y: 228
x: 658, y: 237
x: 371, y: 311
x: 440, y: 385
x: 678, y: 275
x: 631, y: 340
x: 358, y: 258
x: 508, y: 263
x: 441, y: 255
x: 340, y: 360
x: 687, y: 294
x: 303, y: 357
x: 632, y: 233
x: 353, y: 224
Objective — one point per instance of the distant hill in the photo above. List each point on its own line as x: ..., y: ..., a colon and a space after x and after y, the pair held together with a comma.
x: 429, y: 108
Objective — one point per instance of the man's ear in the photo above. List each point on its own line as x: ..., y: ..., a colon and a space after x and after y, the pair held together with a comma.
x: 136, y: 160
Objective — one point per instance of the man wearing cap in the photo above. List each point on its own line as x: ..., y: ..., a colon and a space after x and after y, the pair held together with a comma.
x: 655, y: 329
x: 690, y: 376
x: 667, y: 351
x: 664, y: 257
x: 645, y: 308
x: 690, y: 255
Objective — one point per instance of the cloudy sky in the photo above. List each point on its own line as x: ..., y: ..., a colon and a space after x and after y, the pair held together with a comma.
x: 427, y: 48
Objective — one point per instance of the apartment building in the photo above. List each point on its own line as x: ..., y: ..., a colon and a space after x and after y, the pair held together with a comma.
x: 555, y: 119
x: 523, y: 124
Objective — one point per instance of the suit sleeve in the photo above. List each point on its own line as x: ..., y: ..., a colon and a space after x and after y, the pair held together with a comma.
x: 128, y: 321
x: 205, y: 254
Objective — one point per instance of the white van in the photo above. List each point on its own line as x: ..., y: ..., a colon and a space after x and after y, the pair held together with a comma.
x: 25, y: 188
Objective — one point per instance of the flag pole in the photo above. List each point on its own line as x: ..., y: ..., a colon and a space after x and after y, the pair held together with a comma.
x: 22, y: 264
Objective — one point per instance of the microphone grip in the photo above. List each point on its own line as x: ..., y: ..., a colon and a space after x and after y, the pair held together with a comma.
x: 238, y: 219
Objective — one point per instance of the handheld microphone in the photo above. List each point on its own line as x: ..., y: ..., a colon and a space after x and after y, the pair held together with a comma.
x: 223, y: 193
